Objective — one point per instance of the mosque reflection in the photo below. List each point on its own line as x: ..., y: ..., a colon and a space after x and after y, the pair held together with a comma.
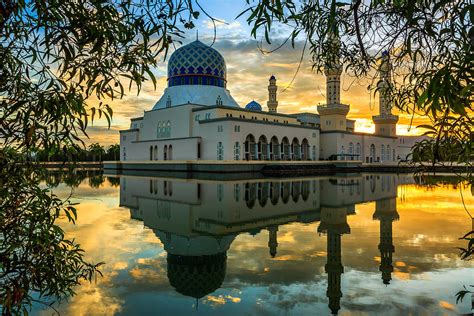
x: 197, y: 220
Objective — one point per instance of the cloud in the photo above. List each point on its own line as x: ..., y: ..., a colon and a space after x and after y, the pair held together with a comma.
x: 222, y: 24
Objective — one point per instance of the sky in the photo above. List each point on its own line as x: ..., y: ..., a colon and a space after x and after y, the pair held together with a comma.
x: 248, y: 71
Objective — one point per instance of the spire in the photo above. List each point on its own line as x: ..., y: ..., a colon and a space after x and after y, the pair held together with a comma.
x: 197, y: 35
x: 272, y: 102
x: 333, y: 69
x: 272, y: 240
x: 384, y: 85
x: 385, y: 121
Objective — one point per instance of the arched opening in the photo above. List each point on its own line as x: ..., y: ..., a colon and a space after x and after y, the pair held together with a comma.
x: 351, y: 151
x: 382, y: 153
x: 358, y: 153
x: 295, y: 191
x: 155, y: 154
x: 165, y: 153
x: 262, y: 193
x: 274, y: 192
x: 285, y: 192
x: 250, y: 147
x: 285, y: 149
x: 295, y: 149
x: 274, y: 149
x: 372, y: 153
x: 170, y: 152
x: 250, y: 194
x: 342, y: 155
x: 305, y: 149
x: 389, y: 151
x: 151, y: 152
x: 305, y: 190
x: 262, y: 148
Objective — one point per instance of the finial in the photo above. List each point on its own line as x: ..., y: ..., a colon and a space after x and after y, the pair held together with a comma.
x: 197, y: 35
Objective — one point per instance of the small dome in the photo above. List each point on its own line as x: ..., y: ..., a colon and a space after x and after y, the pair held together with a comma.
x: 272, y: 77
x: 253, y: 106
x: 196, y: 64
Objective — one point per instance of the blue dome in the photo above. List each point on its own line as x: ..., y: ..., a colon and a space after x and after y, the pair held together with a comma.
x: 196, y: 64
x: 253, y: 106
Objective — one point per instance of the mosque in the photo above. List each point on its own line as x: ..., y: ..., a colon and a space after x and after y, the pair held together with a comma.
x: 198, y: 119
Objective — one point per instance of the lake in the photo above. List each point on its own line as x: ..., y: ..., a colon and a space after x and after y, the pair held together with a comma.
x: 357, y: 244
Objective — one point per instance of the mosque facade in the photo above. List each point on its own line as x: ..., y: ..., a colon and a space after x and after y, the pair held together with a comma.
x: 197, y: 118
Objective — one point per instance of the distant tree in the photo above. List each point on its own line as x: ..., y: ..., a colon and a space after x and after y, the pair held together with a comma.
x: 113, y: 152
x: 96, y: 150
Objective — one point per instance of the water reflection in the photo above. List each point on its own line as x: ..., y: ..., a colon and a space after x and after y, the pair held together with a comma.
x: 197, y: 221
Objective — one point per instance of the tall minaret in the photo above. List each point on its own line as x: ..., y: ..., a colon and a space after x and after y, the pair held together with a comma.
x: 272, y: 240
x: 333, y: 113
x: 272, y: 102
x: 334, y: 224
x: 386, y: 213
x: 333, y: 71
x: 385, y: 122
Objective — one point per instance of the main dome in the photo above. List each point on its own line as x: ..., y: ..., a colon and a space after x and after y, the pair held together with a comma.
x: 197, y: 64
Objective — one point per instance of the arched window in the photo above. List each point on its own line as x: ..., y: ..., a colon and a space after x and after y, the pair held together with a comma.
x: 220, y: 151
x: 372, y: 153
x: 358, y: 153
x: 388, y: 153
x: 351, y: 150
x: 237, y: 151
x: 124, y: 154
x: 343, y: 153
x: 382, y: 152
x: 168, y: 102
x: 159, y: 131
x: 156, y: 152
x: 151, y: 152
x: 168, y: 129
x: 165, y: 153
x: 314, y: 153
x: 218, y: 100
x: 170, y: 152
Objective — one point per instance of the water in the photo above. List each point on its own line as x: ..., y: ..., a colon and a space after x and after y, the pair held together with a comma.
x: 371, y: 244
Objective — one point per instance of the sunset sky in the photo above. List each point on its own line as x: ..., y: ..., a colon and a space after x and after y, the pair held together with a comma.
x: 248, y: 71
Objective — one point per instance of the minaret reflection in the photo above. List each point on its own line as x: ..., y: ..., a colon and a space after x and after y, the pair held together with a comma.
x: 272, y: 240
x: 334, y: 224
x: 386, y: 213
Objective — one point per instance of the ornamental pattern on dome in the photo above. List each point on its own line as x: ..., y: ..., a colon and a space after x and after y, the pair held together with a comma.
x: 253, y: 106
x: 196, y: 64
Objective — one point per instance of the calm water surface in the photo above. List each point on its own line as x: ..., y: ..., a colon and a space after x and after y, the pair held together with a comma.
x: 371, y: 244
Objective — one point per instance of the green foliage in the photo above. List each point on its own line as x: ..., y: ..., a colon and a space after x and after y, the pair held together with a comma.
x: 35, y: 256
x: 63, y: 61
x: 431, y: 46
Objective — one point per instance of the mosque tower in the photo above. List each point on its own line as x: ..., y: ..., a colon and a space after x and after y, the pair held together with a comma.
x: 333, y: 113
x: 334, y: 224
x: 386, y: 213
x: 385, y: 122
x: 272, y: 102
x: 272, y: 240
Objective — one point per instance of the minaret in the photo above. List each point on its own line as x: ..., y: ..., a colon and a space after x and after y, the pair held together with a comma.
x: 272, y: 240
x: 272, y: 102
x: 386, y: 213
x: 333, y: 113
x: 385, y: 122
x: 334, y: 223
